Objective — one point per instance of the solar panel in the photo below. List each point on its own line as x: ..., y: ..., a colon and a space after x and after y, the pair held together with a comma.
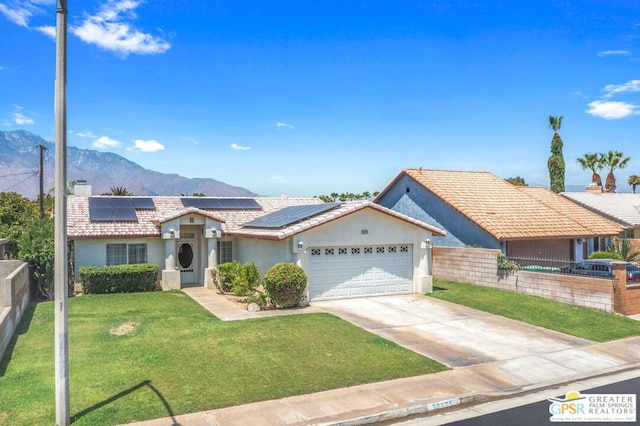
x: 116, y: 209
x: 143, y: 203
x: 290, y: 215
x: 221, y: 203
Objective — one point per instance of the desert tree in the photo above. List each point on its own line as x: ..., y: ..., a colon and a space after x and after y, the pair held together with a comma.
x: 593, y: 162
x: 613, y: 160
x: 555, y: 163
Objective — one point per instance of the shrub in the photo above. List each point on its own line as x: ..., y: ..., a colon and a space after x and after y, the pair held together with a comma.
x: 234, y: 277
x: 36, y: 246
x: 285, y: 284
x: 119, y: 278
x: 604, y: 255
x: 624, y: 249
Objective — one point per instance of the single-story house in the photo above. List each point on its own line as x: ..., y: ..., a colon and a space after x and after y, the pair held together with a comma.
x: 346, y: 249
x: 621, y: 208
x: 481, y: 209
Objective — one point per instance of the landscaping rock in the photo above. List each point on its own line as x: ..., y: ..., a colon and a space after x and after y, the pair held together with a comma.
x: 253, y: 307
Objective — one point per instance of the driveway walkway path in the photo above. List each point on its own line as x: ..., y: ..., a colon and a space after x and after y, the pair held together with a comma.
x: 452, y: 334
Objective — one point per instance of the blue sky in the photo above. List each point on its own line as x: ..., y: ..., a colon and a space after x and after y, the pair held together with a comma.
x: 311, y: 97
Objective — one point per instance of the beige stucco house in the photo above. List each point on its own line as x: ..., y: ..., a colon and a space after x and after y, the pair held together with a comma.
x: 346, y: 249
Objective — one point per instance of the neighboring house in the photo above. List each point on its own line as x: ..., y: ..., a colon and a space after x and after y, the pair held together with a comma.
x: 621, y: 208
x: 480, y: 209
x: 346, y: 250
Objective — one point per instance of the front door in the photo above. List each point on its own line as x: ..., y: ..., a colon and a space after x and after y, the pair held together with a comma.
x: 187, y: 261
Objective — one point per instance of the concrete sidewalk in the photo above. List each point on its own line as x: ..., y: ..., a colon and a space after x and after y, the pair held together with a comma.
x: 415, y: 395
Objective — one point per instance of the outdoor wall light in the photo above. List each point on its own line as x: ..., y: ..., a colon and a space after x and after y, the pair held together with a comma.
x: 300, y: 246
x: 427, y: 243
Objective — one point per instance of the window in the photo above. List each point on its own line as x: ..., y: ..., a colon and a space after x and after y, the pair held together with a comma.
x: 137, y: 253
x: 225, y: 252
x: 121, y: 254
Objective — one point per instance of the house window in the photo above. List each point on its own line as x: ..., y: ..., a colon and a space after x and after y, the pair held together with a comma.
x: 137, y: 253
x: 225, y: 252
x: 122, y: 254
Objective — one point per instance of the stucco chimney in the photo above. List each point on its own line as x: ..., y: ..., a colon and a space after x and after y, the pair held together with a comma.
x: 594, y: 189
x: 82, y: 189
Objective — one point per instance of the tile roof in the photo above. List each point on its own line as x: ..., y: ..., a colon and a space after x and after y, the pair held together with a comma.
x: 79, y: 226
x: 509, y: 212
x: 624, y: 208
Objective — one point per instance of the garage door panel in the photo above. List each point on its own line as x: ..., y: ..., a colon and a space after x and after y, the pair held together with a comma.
x: 342, y: 272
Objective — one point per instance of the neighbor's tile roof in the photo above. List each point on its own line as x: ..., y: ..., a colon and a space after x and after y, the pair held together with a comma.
x: 317, y: 220
x: 507, y: 211
x: 624, y: 208
x: 79, y: 226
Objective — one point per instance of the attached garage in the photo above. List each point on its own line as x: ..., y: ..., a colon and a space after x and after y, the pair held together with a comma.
x: 344, y: 272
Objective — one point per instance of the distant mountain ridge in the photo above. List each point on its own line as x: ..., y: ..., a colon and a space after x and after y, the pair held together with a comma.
x: 19, y: 166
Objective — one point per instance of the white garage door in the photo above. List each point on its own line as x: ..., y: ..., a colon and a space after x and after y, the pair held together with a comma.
x: 342, y: 272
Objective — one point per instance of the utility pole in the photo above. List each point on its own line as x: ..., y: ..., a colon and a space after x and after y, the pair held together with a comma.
x: 60, y: 275
x: 42, y: 150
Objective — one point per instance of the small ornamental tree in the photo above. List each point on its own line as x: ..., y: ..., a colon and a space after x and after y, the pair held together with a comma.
x: 285, y: 284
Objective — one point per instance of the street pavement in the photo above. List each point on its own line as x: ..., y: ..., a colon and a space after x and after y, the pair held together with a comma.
x: 491, y: 358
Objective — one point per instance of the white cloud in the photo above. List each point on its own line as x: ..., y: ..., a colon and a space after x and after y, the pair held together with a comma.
x: 104, y: 142
x: 49, y: 31
x: 613, y: 89
x: 191, y: 140
x: 611, y: 110
x: 16, y: 14
x: 282, y: 125
x: 19, y: 117
x: 87, y: 134
x: 151, y: 145
x: 239, y: 147
x: 277, y: 179
x: 613, y: 53
x: 109, y: 30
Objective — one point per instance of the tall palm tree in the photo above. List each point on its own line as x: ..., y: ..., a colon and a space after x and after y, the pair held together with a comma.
x: 556, y: 161
x: 592, y: 161
x: 633, y: 180
x: 613, y: 160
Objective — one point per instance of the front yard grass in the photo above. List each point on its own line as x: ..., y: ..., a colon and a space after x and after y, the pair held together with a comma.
x: 587, y: 323
x: 141, y: 356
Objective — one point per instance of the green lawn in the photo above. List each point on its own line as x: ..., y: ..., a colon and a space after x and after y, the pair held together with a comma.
x: 174, y: 357
x: 581, y: 322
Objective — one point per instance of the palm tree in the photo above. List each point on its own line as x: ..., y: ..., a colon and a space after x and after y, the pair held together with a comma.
x: 366, y: 195
x: 120, y: 191
x: 613, y: 160
x: 593, y: 162
x: 633, y: 181
x: 335, y: 196
x: 556, y: 161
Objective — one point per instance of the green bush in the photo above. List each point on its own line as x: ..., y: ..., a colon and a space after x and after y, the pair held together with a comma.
x: 605, y: 255
x: 285, y: 284
x: 234, y: 277
x: 119, y: 278
x: 36, y: 246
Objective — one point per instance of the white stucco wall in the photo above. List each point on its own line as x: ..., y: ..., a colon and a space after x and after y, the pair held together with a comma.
x: 94, y: 252
x: 265, y: 253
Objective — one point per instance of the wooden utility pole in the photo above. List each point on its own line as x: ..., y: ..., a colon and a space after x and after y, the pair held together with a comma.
x: 60, y: 274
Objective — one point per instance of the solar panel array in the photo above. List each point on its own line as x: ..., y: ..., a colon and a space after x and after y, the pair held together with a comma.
x: 290, y: 215
x: 221, y: 203
x: 117, y: 209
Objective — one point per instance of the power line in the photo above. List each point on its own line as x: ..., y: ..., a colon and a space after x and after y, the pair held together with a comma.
x: 28, y: 177
x: 18, y: 174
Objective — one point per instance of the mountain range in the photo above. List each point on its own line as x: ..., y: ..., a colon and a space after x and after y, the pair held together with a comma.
x: 20, y: 165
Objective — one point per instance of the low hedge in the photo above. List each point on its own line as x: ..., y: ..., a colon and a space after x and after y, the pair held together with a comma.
x: 119, y: 278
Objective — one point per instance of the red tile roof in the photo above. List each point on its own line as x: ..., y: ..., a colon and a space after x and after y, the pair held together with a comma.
x: 79, y: 225
x: 507, y: 211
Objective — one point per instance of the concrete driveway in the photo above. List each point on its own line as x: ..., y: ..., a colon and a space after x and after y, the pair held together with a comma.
x: 451, y: 334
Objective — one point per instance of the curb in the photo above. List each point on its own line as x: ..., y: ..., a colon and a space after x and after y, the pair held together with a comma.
x: 461, y: 401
